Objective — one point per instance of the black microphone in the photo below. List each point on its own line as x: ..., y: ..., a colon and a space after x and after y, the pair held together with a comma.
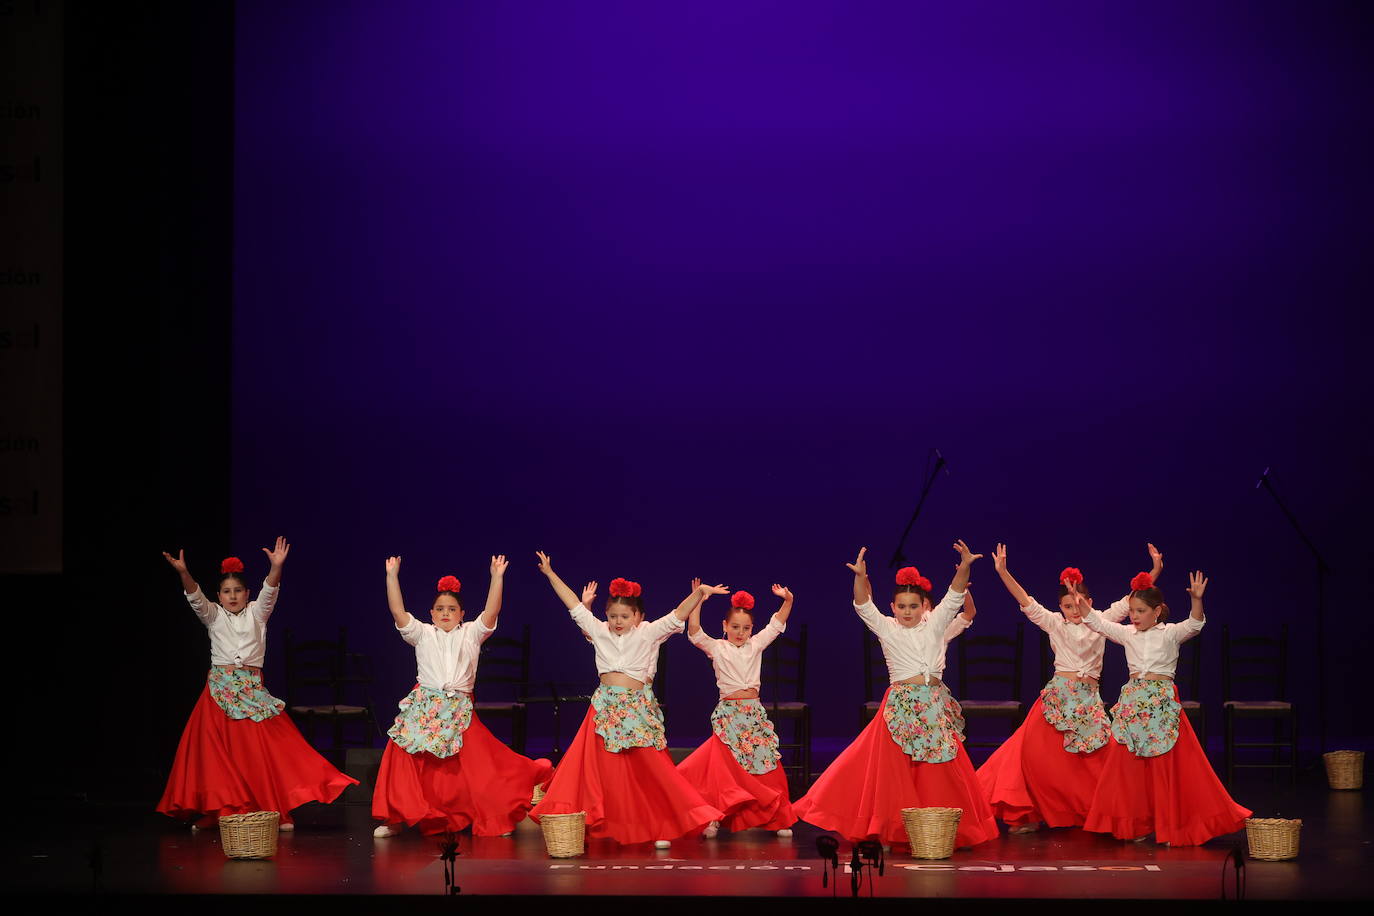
x: 1263, y: 479
x: 940, y: 462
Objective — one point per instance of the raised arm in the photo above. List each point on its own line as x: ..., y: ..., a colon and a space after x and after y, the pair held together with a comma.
x: 970, y: 610
x: 1197, y: 584
x: 188, y: 585
x: 999, y: 563
x: 560, y: 587
x: 694, y: 619
x: 785, y: 594
x: 966, y: 558
x: 498, y: 575
x: 277, y: 557
x: 693, y: 600
x: 863, y: 593
x: 1156, y: 562
x: 399, y: 614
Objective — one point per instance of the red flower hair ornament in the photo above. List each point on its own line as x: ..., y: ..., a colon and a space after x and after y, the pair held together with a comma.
x: 450, y: 584
x: 1142, y: 581
x: 1071, y: 575
x: 742, y: 600
x: 624, y: 588
x: 230, y: 565
x: 910, y: 575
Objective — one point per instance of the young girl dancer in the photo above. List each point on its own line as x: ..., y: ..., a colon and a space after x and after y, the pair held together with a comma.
x: 617, y: 769
x: 238, y: 753
x: 737, y: 768
x: 911, y: 754
x: 1026, y: 779
x: 442, y: 769
x: 1156, y: 778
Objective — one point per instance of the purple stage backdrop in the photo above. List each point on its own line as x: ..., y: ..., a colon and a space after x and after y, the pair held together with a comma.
x: 693, y: 289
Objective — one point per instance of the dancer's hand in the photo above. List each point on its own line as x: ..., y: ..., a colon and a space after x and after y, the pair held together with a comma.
x: 782, y: 592
x: 859, y: 567
x: 498, y: 565
x: 966, y: 556
x: 708, y: 590
x: 393, y: 566
x: 1197, y: 584
x: 589, y: 594
x: 178, y: 562
x: 277, y: 556
x: 545, y: 564
x: 999, y: 558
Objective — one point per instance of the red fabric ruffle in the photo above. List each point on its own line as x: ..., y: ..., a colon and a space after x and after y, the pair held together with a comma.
x: 1176, y: 796
x: 747, y: 800
x: 233, y: 766
x: 1032, y: 778
x: 863, y: 792
x: 634, y: 796
x: 486, y: 785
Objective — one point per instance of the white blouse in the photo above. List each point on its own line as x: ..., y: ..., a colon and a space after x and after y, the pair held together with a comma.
x: 1153, y: 651
x: 1077, y: 648
x: 446, y: 661
x: 238, y: 639
x: 633, y: 653
x: 737, y: 667
x: 917, y: 651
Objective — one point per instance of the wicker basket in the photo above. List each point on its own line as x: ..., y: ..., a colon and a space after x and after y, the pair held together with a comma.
x: 1344, y: 769
x: 1272, y: 838
x: 931, y: 831
x: 537, y: 795
x: 249, y: 836
x: 564, y: 834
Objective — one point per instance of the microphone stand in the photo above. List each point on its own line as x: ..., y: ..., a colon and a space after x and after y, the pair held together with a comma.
x: 898, y: 558
x: 1322, y: 570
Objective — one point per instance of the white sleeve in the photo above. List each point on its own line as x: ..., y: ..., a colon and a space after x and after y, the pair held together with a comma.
x: 764, y: 638
x: 267, y: 601
x: 413, y: 631
x: 203, y: 607
x: 1186, y: 629
x: 583, y: 618
x: 1119, y: 610
x: 703, y: 642
x: 947, y: 609
x: 1116, y: 632
x: 665, y: 626
x: 873, y: 619
x: 959, y: 624
x: 1036, y: 613
x: 480, y: 631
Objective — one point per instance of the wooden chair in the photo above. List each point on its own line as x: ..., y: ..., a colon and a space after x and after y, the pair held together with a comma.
x: 993, y: 662
x: 1188, y: 677
x: 784, y: 682
x: 327, y: 684
x: 1262, y: 661
x: 875, y: 678
x: 503, y: 675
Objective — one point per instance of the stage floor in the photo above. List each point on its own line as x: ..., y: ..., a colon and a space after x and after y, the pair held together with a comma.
x: 126, y: 850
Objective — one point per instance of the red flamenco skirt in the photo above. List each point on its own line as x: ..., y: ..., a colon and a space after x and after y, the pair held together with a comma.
x: 748, y: 800
x: 635, y: 796
x: 863, y: 792
x: 1031, y: 778
x: 486, y: 785
x: 232, y: 766
x: 1176, y: 796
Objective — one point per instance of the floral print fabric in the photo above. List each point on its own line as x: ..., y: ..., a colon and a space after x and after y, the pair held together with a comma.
x: 925, y: 721
x: 1075, y: 709
x: 1145, y: 718
x: 432, y: 721
x: 654, y: 708
x: 624, y: 718
x: 239, y: 692
x: 743, y: 726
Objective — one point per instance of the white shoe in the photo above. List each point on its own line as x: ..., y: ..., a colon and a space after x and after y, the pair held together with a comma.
x: 711, y: 830
x: 386, y: 830
x: 785, y: 832
x: 1024, y: 828
x: 662, y: 844
x: 286, y: 827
